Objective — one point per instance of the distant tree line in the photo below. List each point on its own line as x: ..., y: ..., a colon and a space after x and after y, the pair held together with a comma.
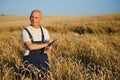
x: 3, y: 15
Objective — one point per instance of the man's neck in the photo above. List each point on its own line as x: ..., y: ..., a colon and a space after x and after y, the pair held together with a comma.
x: 37, y: 26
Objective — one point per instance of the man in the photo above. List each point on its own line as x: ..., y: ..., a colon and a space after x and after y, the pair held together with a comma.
x: 36, y: 40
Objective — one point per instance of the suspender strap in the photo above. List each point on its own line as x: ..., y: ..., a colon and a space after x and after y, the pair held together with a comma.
x: 29, y: 34
x: 42, y: 34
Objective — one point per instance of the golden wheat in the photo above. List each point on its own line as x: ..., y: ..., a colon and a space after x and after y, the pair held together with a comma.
x: 88, y: 47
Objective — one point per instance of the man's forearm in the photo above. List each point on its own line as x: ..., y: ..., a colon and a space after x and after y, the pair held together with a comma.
x: 33, y: 46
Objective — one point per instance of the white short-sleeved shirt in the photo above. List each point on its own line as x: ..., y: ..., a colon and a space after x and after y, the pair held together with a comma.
x: 36, y: 34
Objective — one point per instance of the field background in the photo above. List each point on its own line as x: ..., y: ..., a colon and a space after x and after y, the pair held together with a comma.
x: 88, y: 47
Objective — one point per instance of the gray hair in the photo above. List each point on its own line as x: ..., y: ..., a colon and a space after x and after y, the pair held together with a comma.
x: 36, y: 11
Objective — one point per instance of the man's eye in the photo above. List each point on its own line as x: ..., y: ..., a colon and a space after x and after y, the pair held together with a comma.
x: 36, y: 17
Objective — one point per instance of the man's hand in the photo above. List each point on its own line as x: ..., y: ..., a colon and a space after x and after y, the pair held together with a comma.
x: 49, y: 48
x: 49, y: 41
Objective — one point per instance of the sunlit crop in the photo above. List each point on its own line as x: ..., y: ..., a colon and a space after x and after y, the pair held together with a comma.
x: 88, y: 47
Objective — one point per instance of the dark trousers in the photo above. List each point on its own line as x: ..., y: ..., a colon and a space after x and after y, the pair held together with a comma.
x: 39, y: 59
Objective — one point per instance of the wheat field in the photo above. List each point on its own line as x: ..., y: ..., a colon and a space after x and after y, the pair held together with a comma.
x: 88, y: 47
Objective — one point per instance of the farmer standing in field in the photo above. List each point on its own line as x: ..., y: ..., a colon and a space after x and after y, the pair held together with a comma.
x: 36, y: 40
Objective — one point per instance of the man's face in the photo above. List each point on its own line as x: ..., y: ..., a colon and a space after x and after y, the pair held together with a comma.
x: 35, y: 18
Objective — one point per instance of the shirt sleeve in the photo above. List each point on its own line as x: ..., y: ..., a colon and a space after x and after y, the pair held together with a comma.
x: 25, y: 36
x: 47, y: 36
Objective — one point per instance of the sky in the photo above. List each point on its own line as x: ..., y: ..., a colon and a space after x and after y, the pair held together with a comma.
x: 59, y: 7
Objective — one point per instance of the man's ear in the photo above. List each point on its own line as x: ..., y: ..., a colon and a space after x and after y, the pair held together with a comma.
x: 30, y: 17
